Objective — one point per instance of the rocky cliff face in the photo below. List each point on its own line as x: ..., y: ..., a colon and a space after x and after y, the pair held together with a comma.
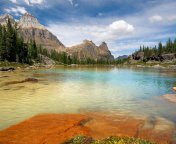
x: 30, y: 28
x: 89, y: 50
x: 165, y: 58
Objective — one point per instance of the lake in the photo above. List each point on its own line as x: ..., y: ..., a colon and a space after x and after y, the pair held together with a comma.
x: 76, y: 89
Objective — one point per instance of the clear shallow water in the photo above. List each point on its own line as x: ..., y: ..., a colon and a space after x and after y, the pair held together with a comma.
x: 70, y: 90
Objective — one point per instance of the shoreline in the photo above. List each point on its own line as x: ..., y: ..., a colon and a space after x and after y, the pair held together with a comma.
x: 169, y: 67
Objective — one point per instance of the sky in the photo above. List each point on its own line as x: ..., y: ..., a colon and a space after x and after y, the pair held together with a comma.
x: 123, y: 24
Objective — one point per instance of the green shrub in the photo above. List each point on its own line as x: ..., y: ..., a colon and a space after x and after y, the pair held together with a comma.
x: 111, y: 140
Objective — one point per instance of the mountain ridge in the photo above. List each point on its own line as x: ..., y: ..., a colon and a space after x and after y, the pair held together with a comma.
x: 30, y: 28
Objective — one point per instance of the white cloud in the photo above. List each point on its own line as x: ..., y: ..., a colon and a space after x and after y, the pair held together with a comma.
x: 17, y: 10
x: 100, y: 14
x: 28, y: 2
x: 36, y: 1
x: 112, y: 32
x: 71, y: 1
x: 72, y: 35
x: 155, y: 18
x: 76, y: 5
x: 172, y: 17
x: 14, y: 1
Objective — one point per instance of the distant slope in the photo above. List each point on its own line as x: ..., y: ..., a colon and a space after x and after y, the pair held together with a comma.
x: 89, y: 50
x: 122, y: 57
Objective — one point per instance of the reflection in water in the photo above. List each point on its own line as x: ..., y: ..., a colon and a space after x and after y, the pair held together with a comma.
x: 70, y: 90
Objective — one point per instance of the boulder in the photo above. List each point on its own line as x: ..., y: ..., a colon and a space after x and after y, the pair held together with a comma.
x: 174, y: 88
x: 138, y: 56
x: 7, y: 68
x: 168, y: 58
x: 46, y: 60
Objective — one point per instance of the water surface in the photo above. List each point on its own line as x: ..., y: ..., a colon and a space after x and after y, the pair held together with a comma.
x: 71, y: 90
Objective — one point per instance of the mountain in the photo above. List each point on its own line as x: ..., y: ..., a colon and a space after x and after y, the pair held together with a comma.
x: 122, y: 57
x: 30, y: 28
x: 89, y: 50
x: 3, y: 19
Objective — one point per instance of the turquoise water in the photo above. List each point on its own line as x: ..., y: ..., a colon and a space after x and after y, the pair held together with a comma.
x: 71, y: 90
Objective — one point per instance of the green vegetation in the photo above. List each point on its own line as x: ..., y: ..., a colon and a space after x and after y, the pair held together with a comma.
x: 13, y: 64
x: 153, y: 53
x: 13, y: 48
x: 111, y: 140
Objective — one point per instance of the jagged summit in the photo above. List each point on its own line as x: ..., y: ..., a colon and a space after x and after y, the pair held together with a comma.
x: 87, y: 41
x: 4, y: 19
x: 28, y: 14
x: 29, y: 21
x: 89, y: 50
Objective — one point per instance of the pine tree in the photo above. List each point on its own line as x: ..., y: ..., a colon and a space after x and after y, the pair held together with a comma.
x: 34, y: 50
x: 143, y: 48
x: 174, y: 45
x: 169, y: 46
x: 11, y: 53
x: 160, y: 49
x: 3, y: 44
x: 140, y: 48
x: 0, y: 41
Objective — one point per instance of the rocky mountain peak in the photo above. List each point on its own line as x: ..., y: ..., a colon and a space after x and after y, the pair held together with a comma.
x: 28, y: 14
x: 29, y: 21
x: 87, y: 42
x: 103, y: 45
x: 4, y: 19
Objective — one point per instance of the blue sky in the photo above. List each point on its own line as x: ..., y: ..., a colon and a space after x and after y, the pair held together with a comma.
x: 123, y: 24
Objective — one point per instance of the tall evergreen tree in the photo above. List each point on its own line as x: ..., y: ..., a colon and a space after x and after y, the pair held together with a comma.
x: 0, y: 41
x: 3, y: 44
x: 35, y: 50
x: 169, y: 46
x: 11, y: 53
x: 174, y: 46
x: 160, y: 49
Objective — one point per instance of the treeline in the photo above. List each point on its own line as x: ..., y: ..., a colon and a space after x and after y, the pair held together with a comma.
x: 66, y: 59
x: 13, y: 48
x: 170, y: 47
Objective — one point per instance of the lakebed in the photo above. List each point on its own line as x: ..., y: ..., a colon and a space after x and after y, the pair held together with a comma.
x: 126, y: 91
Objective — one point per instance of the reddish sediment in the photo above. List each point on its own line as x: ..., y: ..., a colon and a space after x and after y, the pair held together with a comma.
x: 23, y: 81
x: 58, y: 128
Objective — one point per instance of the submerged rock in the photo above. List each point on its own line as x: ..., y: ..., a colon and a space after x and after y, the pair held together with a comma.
x: 26, y: 80
x: 46, y: 128
x: 7, y: 68
x: 58, y: 128
x: 3, y: 76
x: 41, y: 75
x: 30, y: 80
